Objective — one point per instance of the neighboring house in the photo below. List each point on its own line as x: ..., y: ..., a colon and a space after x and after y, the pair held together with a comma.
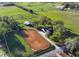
x: 61, y: 7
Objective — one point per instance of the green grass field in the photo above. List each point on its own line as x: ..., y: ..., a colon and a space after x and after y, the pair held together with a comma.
x: 10, y: 11
x: 70, y: 19
x: 15, y: 12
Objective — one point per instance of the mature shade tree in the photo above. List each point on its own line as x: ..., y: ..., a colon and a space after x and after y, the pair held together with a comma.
x: 6, y: 24
x: 44, y: 22
x: 59, y: 30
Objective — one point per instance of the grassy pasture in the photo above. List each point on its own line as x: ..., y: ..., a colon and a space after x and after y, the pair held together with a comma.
x: 70, y: 19
x: 15, y: 12
x: 10, y: 11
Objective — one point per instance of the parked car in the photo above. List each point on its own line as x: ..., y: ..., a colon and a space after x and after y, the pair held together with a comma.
x: 46, y: 30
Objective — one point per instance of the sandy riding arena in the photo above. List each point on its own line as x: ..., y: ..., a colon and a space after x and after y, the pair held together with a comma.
x: 35, y: 40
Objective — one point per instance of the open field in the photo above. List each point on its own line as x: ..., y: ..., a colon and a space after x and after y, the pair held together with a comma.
x: 15, y: 13
x: 10, y: 11
x: 70, y: 19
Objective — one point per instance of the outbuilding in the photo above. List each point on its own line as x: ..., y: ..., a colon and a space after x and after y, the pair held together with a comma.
x: 46, y: 30
x: 27, y: 23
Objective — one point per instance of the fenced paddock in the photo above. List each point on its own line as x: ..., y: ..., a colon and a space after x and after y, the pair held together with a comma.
x: 36, y: 41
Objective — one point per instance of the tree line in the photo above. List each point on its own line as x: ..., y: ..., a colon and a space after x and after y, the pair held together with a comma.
x: 6, y: 24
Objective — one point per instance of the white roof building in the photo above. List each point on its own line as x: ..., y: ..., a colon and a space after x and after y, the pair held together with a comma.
x: 27, y: 23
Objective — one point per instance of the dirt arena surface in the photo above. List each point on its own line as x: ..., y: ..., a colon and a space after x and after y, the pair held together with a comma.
x: 35, y: 40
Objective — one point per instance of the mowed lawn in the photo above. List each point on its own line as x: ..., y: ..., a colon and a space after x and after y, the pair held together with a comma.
x: 10, y: 11
x: 17, y: 13
x: 37, y: 7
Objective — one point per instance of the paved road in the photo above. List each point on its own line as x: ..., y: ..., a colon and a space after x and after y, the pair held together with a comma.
x: 53, y: 53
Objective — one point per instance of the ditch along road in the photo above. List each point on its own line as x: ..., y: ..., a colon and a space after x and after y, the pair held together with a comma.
x: 38, y: 41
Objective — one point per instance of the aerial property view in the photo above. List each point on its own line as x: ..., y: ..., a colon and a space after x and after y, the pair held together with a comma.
x: 39, y: 29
